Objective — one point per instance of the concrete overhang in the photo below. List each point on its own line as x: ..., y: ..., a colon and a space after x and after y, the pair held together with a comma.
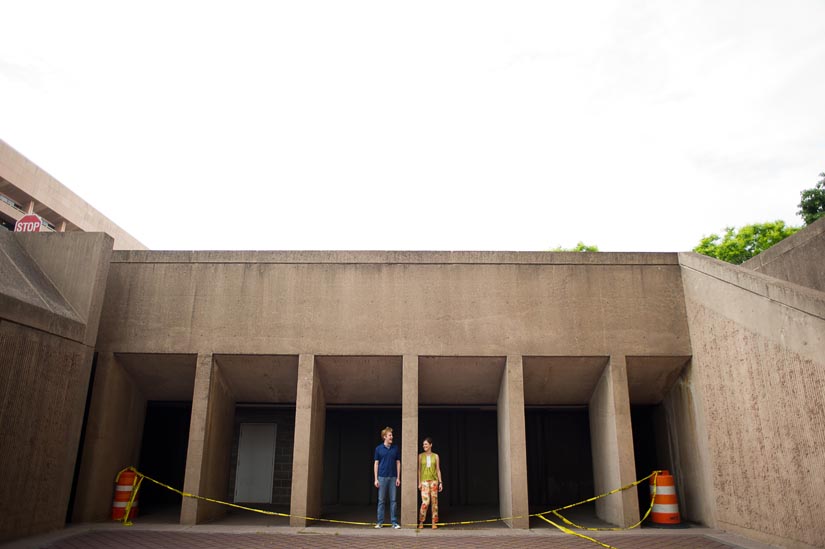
x: 263, y: 379
x: 161, y: 376
x: 561, y: 380
x: 649, y: 378
x: 459, y: 380
x: 360, y: 379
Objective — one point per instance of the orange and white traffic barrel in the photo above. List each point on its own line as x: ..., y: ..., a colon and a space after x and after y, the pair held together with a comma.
x: 124, y: 485
x: 665, y: 504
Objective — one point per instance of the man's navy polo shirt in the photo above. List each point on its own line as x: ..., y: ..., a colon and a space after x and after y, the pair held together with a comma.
x: 386, y: 458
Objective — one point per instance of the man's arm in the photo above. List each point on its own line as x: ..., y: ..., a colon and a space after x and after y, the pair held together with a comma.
x: 375, y: 472
x: 398, y: 472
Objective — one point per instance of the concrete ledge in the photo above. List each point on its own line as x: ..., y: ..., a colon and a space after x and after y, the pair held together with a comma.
x: 397, y: 257
x: 798, y: 297
x: 811, y: 232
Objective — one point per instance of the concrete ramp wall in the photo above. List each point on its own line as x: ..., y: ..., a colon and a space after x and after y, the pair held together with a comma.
x: 800, y: 258
x: 51, y: 291
x: 758, y: 374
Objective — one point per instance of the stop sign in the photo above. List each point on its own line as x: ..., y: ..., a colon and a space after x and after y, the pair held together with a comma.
x: 29, y: 223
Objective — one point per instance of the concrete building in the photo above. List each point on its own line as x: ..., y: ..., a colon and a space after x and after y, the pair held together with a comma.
x: 26, y: 189
x: 544, y: 378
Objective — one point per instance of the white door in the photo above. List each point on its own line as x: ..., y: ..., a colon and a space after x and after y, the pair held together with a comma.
x: 256, y: 463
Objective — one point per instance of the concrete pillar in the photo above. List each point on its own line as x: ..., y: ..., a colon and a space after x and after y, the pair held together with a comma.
x: 210, y: 441
x: 113, y: 433
x: 512, y: 447
x: 611, y: 435
x: 409, y: 445
x: 308, y: 453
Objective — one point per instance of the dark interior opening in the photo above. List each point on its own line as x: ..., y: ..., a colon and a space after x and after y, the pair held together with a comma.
x: 466, y: 441
x: 163, y: 454
x: 559, y: 458
x: 350, y: 438
x: 649, y: 446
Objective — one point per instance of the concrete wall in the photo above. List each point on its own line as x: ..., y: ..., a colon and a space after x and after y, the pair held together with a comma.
x: 759, y: 366
x: 65, y: 258
x: 684, y: 434
x: 796, y: 259
x: 43, y: 383
x: 371, y: 303
x: 51, y: 290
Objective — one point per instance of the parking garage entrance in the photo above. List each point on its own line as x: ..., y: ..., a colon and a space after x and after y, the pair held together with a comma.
x: 163, y: 457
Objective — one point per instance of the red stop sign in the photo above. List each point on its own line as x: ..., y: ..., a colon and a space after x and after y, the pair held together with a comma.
x: 29, y: 223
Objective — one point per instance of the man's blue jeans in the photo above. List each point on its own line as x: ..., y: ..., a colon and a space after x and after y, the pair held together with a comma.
x: 387, y: 484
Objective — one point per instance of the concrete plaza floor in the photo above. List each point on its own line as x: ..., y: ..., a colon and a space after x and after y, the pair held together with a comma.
x: 172, y: 536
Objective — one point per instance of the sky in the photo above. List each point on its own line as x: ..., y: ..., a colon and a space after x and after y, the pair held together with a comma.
x: 507, y: 125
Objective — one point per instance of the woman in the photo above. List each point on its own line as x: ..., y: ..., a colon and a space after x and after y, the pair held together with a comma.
x: 429, y: 482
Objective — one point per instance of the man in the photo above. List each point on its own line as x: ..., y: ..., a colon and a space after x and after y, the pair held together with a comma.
x: 387, y: 471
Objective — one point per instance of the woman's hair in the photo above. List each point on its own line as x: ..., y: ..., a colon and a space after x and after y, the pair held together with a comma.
x: 428, y: 439
x: 384, y: 432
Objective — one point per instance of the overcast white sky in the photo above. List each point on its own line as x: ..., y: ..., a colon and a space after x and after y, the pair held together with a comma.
x: 508, y: 125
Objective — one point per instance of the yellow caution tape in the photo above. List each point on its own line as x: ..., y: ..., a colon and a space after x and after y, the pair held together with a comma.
x: 139, y: 477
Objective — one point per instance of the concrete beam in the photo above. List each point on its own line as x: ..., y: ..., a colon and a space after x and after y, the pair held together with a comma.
x: 409, y: 444
x: 308, y: 452
x: 611, y: 433
x: 512, y: 448
x: 210, y: 438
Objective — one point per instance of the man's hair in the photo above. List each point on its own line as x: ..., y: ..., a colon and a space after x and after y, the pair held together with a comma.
x: 384, y: 432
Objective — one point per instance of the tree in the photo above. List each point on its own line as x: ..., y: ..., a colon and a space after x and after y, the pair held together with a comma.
x: 812, y: 205
x: 580, y: 247
x: 738, y: 246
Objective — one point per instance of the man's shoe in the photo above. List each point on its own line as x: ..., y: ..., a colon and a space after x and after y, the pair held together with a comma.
x: 378, y: 525
x: 396, y: 526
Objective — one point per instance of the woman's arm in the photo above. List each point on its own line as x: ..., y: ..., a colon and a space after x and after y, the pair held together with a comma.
x: 438, y: 470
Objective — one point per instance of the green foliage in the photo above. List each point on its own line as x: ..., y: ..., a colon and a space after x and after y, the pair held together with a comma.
x: 738, y: 246
x: 580, y: 247
x: 812, y: 205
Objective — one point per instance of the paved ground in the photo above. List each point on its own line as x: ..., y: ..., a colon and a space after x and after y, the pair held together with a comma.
x: 178, y: 537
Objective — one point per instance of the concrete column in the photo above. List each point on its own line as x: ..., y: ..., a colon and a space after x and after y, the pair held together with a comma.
x: 210, y: 442
x: 409, y: 445
x: 512, y: 447
x: 308, y: 453
x: 611, y: 435
x: 113, y: 433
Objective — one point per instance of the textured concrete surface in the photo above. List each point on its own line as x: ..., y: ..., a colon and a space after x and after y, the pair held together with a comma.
x: 512, y: 447
x: 43, y: 385
x: 428, y: 306
x: 28, y: 297
x: 50, y: 294
x: 796, y: 259
x: 137, y: 537
x: 113, y: 436
x: 78, y: 265
x: 759, y: 367
x: 612, y: 442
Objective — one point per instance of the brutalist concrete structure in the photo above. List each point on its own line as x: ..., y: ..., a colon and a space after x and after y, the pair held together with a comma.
x: 544, y: 378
